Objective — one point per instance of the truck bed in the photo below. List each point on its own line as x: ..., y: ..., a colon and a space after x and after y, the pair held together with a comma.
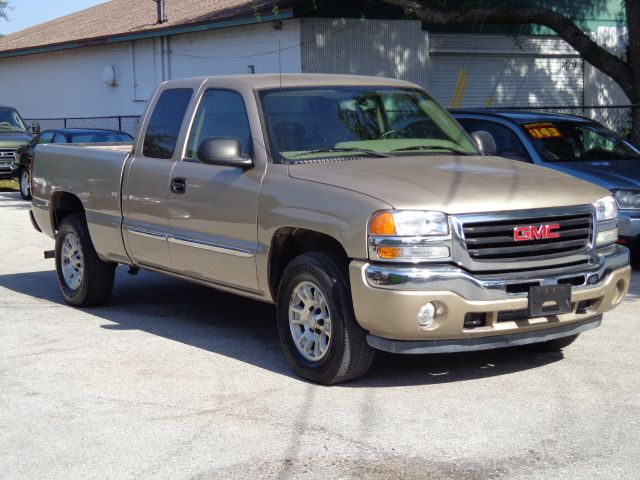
x: 91, y: 172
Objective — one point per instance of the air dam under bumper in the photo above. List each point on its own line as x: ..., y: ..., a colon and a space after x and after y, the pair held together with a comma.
x: 387, y: 299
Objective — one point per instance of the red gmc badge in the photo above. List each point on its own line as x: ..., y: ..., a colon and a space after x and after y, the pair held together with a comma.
x: 540, y: 232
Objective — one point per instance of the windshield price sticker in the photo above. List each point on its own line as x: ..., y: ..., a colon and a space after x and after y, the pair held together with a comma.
x: 542, y: 130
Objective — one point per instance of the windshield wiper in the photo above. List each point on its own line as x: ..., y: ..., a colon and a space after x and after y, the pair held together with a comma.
x: 430, y: 147
x: 372, y: 153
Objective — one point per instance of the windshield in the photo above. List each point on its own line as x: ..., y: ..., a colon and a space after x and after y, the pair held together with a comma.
x: 101, y: 137
x: 574, y: 142
x: 320, y: 122
x: 10, y: 121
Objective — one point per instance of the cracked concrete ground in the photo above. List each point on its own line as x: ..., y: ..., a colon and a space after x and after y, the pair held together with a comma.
x: 173, y: 380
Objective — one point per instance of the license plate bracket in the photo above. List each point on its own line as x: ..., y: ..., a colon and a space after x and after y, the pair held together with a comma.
x: 549, y: 300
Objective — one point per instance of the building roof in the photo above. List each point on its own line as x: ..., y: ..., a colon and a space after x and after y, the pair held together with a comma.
x: 120, y: 20
x: 521, y: 116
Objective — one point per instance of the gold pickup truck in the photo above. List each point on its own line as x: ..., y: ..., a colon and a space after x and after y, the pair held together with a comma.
x: 357, y: 205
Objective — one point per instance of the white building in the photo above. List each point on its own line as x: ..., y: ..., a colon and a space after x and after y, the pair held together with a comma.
x: 106, y: 60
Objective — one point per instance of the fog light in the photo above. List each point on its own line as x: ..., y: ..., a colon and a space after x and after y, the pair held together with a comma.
x: 606, y: 237
x: 426, y: 314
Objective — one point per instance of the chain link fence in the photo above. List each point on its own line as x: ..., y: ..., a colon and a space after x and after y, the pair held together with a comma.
x: 124, y: 123
x: 616, y: 117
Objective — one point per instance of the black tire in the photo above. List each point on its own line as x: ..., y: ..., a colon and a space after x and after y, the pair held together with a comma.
x: 96, y: 277
x: 348, y: 355
x: 552, y: 345
x: 25, y: 189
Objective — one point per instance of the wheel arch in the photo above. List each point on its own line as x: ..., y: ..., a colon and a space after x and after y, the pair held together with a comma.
x: 62, y: 205
x: 289, y: 242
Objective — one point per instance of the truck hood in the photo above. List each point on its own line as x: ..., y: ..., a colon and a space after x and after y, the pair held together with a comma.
x: 12, y: 139
x: 452, y: 184
x: 607, y: 174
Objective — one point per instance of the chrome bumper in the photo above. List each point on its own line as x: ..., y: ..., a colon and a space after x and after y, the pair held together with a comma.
x: 495, y: 287
x: 6, y: 170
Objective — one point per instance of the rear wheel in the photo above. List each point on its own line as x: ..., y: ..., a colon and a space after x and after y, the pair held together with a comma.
x: 552, y: 345
x: 83, y: 278
x: 25, y: 184
x: 318, y: 330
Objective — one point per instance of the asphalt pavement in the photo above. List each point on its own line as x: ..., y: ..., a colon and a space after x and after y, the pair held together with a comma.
x: 173, y: 380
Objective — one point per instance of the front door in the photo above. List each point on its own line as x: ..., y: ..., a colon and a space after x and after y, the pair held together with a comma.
x: 213, y: 233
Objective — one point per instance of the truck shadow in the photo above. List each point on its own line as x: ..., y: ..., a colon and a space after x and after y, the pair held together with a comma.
x: 246, y: 330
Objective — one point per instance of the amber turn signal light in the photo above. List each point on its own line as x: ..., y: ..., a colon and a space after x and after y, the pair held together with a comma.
x: 382, y: 224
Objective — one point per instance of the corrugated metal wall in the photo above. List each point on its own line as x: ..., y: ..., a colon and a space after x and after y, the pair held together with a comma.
x: 388, y: 48
x: 529, y: 71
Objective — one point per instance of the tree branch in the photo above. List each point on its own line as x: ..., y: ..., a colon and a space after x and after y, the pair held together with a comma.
x: 616, y: 68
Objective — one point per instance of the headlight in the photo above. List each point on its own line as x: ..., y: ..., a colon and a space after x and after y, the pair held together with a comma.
x: 409, y: 223
x: 627, y: 198
x: 606, y: 209
x: 409, y: 236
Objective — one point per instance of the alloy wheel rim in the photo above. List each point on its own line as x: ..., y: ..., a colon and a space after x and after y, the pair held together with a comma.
x: 310, y: 321
x: 72, y: 261
x: 24, y: 183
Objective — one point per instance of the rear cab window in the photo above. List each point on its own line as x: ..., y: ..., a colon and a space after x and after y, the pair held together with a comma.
x: 162, y: 133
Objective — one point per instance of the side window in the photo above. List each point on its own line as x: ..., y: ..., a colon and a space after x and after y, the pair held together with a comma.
x: 59, y: 138
x: 162, y: 132
x: 507, y: 142
x: 46, y: 137
x: 221, y: 113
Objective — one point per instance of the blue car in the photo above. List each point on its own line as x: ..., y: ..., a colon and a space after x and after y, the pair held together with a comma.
x: 574, y: 145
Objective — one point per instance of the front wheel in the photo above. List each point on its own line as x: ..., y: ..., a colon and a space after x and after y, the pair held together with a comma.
x: 84, y: 279
x: 25, y: 184
x: 317, y: 327
x: 552, y: 345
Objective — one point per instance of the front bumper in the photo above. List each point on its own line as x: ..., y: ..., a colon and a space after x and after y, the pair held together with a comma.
x: 7, y: 170
x: 387, y: 299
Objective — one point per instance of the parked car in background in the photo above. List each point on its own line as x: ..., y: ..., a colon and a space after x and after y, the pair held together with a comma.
x: 13, y: 134
x: 24, y: 156
x: 573, y: 145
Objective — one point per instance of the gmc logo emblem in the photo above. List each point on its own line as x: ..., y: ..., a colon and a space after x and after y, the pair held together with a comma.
x: 541, y: 232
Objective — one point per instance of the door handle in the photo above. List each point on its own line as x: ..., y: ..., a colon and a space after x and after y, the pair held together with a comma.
x: 179, y: 185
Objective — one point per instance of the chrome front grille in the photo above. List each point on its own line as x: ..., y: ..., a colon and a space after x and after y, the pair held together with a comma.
x: 493, y: 241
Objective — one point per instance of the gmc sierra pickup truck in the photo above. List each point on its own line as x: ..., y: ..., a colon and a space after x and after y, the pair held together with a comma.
x: 357, y: 205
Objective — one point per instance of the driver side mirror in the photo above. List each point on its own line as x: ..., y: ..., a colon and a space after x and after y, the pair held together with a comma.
x: 35, y: 128
x: 485, y: 142
x: 223, y: 151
